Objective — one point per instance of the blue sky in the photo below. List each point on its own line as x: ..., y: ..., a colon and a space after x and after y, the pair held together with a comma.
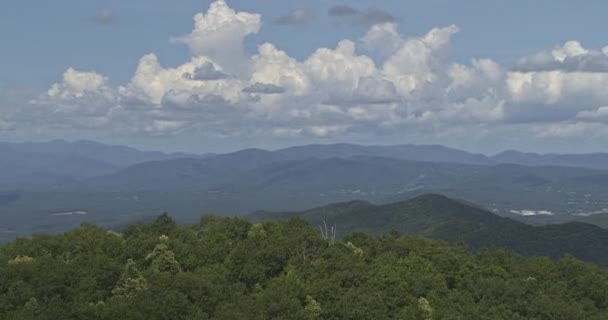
x: 42, y: 39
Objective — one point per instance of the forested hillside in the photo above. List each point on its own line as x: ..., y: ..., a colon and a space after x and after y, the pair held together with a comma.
x: 228, y: 268
x: 439, y: 217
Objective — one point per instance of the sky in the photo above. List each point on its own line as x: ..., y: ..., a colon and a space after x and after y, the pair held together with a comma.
x: 204, y: 76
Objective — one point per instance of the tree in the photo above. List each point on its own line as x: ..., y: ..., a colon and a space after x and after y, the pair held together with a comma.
x: 424, y: 307
x: 163, y: 260
x: 164, y: 224
x: 131, y: 281
x: 312, y: 308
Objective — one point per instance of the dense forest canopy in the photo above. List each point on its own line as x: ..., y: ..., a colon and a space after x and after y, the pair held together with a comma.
x: 439, y: 217
x: 229, y: 268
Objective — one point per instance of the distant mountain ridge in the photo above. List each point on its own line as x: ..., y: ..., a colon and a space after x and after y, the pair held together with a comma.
x: 440, y: 217
x: 23, y: 169
x: 116, y: 155
x: 439, y: 153
x: 409, y: 162
x: 411, y: 152
x: 36, y: 165
x: 589, y: 160
x: 122, y: 156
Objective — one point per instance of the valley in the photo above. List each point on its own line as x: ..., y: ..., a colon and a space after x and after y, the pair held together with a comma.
x: 295, y: 178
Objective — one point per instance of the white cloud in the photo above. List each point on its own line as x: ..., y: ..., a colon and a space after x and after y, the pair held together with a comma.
x: 276, y: 67
x: 600, y: 114
x: 412, y: 66
x: 264, y: 88
x: 152, y: 81
x: 382, y: 38
x: 553, y: 87
x: 557, y: 85
x: 76, y: 84
x: 481, y: 76
x: 219, y: 34
x: 206, y: 72
x: 336, y: 93
x: 571, y: 57
x: 370, y: 90
x: 561, y: 129
x: 339, y: 69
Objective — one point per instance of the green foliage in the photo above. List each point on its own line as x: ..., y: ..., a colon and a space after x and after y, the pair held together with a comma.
x: 256, y: 232
x: 131, y: 282
x: 439, y: 217
x: 424, y: 309
x: 163, y: 260
x: 312, y: 309
x: 229, y: 269
x: 164, y: 224
x: 21, y: 260
x: 356, y: 250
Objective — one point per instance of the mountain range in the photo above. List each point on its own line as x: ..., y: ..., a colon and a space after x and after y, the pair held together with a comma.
x: 275, y: 180
x: 94, y: 155
x: 48, y: 164
x: 42, y: 183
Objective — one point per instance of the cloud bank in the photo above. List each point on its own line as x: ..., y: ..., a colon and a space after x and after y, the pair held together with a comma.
x: 338, y: 93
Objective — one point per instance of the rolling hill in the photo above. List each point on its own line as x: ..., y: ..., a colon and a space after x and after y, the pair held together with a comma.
x: 440, y: 217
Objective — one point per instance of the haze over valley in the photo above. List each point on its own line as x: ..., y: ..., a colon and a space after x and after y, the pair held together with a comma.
x: 54, y: 186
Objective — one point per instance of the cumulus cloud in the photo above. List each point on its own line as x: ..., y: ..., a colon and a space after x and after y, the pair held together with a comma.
x: 295, y: 16
x: 383, y: 39
x: 556, y: 86
x: 81, y: 100
x: 600, y: 114
x: 562, y: 130
x: 207, y: 71
x: 219, y: 34
x: 152, y: 81
x: 264, y: 88
x: 369, y: 91
x: 76, y: 84
x: 571, y: 57
x: 340, y: 92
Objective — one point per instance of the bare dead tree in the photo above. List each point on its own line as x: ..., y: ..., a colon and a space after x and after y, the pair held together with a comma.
x: 329, y: 235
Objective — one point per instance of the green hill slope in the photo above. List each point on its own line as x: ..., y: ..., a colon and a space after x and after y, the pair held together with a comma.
x: 439, y: 217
